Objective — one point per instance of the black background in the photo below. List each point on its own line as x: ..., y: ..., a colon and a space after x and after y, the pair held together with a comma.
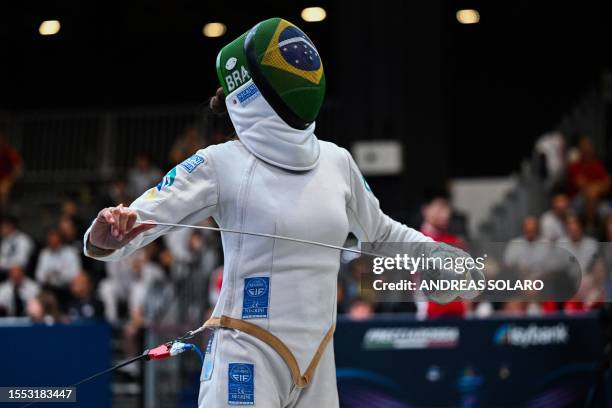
x: 467, y: 100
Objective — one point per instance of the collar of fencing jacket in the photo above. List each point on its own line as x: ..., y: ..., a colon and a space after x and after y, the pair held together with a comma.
x: 266, y: 135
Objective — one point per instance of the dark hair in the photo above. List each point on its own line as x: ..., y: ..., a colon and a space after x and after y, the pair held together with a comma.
x: 49, y: 304
x: 9, y: 219
x: 433, y: 193
x: 217, y: 102
x: 558, y: 190
x: 54, y: 230
x: 576, y: 218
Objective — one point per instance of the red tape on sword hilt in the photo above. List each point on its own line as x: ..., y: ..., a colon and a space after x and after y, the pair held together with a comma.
x: 158, y: 353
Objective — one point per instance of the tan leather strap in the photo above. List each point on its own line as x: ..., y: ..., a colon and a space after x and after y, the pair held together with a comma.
x: 277, y: 345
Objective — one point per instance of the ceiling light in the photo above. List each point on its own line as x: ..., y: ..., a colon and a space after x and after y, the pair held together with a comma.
x: 214, y: 29
x: 313, y: 14
x: 49, y: 27
x: 468, y: 16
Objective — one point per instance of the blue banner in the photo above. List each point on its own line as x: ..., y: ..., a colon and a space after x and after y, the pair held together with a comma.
x: 468, y: 363
x: 58, y: 355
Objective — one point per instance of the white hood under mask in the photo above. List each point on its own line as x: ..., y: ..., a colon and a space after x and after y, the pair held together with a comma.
x: 266, y: 135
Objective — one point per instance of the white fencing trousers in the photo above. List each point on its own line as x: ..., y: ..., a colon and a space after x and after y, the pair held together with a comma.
x: 240, y: 369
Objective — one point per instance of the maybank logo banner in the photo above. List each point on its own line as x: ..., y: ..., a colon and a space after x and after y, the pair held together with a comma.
x: 532, y: 335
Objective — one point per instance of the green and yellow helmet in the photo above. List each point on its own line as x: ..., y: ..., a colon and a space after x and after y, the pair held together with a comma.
x: 284, y: 65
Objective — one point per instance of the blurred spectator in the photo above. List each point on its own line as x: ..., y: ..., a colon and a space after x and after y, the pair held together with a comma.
x: 145, y: 275
x: 190, y: 257
x: 214, y: 286
x: 340, y: 298
x: 553, y: 221
x: 526, y: 252
x: 483, y: 310
x: 525, y: 257
x: 128, y: 282
x: 85, y: 304
x: 44, y: 308
x: 582, y: 247
x: 114, y: 290
x: 10, y: 168
x: 57, y: 266
x: 178, y: 242
x: 187, y: 144
x: 142, y: 176
x: 514, y: 308
x: 608, y: 229
x: 192, y: 247
x: 436, y: 216
x: 606, y: 256
x: 356, y: 268
x: 590, y: 296
x: 69, y: 233
x: 360, y: 309
x: 15, y: 248
x: 588, y: 181
x: 70, y: 209
x: 116, y: 194
x: 204, y: 251
x: 16, y: 292
x: 552, y: 147
x: 437, y: 213
x: 587, y: 174
x: 165, y: 260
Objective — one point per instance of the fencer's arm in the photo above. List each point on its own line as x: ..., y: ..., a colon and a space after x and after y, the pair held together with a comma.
x: 187, y: 194
x: 367, y: 221
x: 370, y: 224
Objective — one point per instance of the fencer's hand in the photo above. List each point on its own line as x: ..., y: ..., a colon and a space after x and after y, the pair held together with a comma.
x: 115, y: 227
x: 469, y: 275
x: 445, y: 251
x: 441, y: 251
x: 475, y: 275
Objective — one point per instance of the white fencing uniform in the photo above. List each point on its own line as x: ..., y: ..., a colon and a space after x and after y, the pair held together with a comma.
x: 275, y: 180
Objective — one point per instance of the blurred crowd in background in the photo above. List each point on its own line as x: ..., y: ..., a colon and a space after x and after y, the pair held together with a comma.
x: 51, y: 281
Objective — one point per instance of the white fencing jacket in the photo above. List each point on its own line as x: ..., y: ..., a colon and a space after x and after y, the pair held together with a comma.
x: 274, y: 180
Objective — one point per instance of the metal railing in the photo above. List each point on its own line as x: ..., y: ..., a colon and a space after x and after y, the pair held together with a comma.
x: 188, y: 308
x: 84, y: 145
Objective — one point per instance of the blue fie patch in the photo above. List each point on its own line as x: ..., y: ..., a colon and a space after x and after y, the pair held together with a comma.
x: 241, y: 384
x: 256, y: 297
x: 191, y: 163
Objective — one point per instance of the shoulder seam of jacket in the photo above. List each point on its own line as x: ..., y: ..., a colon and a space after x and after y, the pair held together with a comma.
x: 350, y: 176
x: 217, y: 182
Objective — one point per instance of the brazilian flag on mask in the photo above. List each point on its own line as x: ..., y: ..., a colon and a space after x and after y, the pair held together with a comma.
x: 284, y: 65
